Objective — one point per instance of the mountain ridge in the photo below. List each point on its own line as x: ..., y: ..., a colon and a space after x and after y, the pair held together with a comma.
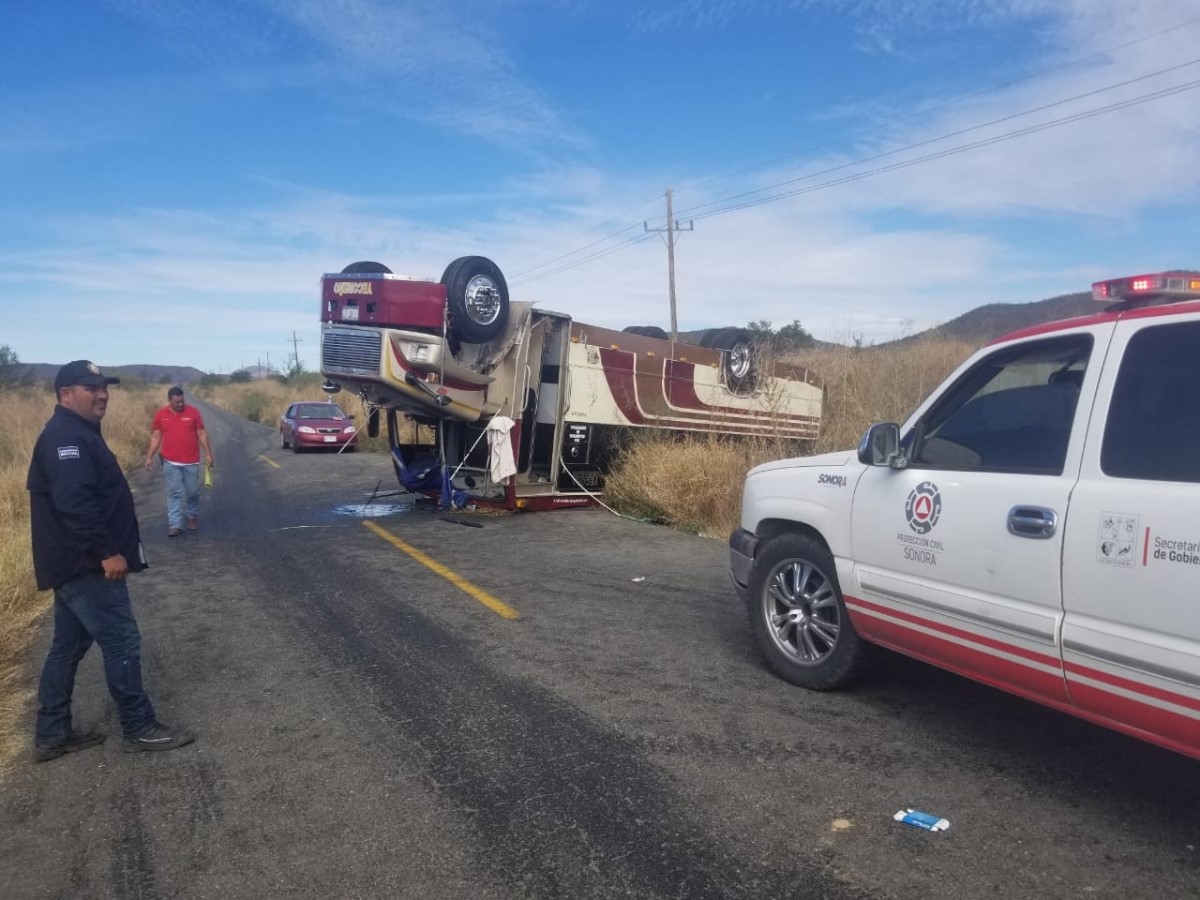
x: 980, y: 325
x: 147, y: 372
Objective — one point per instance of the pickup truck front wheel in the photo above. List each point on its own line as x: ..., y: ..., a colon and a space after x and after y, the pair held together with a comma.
x: 798, y: 617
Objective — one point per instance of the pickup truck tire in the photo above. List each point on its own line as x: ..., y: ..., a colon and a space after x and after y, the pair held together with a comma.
x: 798, y: 617
x: 478, y: 299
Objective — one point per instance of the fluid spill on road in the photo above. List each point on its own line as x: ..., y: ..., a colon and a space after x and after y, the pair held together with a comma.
x: 371, y: 510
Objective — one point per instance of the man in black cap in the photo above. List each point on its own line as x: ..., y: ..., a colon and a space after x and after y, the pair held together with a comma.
x: 85, y: 541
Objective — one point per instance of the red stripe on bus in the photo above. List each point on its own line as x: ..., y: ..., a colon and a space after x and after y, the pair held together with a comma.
x: 617, y: 366
x: 680, y: 385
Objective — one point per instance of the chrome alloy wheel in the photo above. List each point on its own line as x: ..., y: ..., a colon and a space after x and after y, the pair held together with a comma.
x: 802, y: 612
x: 739, y: 360
x: 482, y: 300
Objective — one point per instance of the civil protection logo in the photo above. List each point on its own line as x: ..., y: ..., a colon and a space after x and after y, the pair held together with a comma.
x: 924, y: 507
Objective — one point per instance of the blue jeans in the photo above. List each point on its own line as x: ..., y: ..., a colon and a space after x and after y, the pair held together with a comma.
x: 183, y: 485
x: 91, y: 608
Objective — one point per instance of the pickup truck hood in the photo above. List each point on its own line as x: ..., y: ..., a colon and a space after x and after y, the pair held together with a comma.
x: 837, y: 458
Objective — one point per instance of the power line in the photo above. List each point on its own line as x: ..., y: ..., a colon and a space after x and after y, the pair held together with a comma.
x: 962, y: 148
x: 593, y: 243
x: 952, y: 151
x: 629, y: 242
x: 520, y: 277
x: 608, y: 237
x: 943, y: 137
x: 920, y: 113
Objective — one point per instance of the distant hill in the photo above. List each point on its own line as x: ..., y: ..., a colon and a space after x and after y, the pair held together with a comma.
x: 985, y: 323
x: 980, y: 325
x: 147, y: 373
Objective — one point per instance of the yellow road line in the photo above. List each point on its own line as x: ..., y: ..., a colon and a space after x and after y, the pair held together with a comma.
x: 268, y: 461
x: 499, y: 607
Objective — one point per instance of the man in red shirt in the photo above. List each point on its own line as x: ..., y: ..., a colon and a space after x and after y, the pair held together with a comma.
x: 179, y: 431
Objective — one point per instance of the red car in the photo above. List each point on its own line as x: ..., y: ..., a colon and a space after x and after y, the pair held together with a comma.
x: 316, y: 424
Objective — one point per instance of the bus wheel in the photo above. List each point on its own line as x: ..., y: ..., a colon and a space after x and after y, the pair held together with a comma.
x: 366, y: 267
x: 738, y: 362
x: 478, y: 298
x: 652, y: 331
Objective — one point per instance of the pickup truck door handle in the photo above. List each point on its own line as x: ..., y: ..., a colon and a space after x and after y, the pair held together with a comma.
x: 1032, y: 522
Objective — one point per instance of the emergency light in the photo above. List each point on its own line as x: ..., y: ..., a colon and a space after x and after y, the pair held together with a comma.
x: 1165, y: 287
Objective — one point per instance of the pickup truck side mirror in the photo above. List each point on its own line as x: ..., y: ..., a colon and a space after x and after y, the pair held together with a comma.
x: 880, y: 446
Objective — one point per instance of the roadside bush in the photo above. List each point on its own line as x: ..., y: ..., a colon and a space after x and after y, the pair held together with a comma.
x: 253, y: 406
x: 693, y: 482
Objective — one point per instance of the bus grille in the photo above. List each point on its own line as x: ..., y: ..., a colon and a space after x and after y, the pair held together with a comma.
x: 350, y: 351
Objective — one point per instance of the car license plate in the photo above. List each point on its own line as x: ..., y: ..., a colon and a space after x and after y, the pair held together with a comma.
x: 329, y: 438
x: 350, y: 314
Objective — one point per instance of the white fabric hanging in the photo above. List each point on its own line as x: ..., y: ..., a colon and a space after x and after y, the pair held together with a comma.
x: 500, y: 453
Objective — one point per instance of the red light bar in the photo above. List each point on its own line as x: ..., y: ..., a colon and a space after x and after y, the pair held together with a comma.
x: 1169, y: 287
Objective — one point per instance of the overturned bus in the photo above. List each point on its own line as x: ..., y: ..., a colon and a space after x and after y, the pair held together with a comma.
x: 500, y: 404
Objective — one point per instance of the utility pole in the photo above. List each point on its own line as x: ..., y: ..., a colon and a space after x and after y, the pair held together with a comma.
x: 295, y: 350
x: 671, y: 229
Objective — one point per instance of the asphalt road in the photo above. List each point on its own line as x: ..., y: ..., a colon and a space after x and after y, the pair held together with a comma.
x: 370, y: 727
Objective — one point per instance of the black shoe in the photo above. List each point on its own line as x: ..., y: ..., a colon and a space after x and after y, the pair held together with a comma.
x: 76, y: 742
x: 159, y: 737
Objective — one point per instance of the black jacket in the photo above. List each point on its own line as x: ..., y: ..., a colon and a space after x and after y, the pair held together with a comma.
x: 80, y: 505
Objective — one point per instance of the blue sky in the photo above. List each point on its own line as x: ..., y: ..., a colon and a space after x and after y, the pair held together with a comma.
x: 175, y: 175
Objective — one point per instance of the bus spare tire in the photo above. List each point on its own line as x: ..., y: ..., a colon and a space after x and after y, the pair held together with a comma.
x: 478, y: 299
x: 366, y: 267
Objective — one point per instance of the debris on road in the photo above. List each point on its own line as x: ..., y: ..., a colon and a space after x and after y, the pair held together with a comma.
x: 921, y: 820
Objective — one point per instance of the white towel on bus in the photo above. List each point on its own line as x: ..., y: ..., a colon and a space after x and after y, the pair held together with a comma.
x: 500, y: 452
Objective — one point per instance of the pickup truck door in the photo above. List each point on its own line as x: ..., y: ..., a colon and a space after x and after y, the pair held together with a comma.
x: 958, y: 556
x: 1131, y: 578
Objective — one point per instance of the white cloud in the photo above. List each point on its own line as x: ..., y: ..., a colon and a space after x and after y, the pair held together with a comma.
x: 893, y: 252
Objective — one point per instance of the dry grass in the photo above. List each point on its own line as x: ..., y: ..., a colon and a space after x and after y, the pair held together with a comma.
x: 696, y: 482
x: 878, y: 384
x: 692, y: 482
x: 24, y: 412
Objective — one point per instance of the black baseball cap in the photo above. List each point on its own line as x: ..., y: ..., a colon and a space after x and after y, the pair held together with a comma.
x: 84, y: 372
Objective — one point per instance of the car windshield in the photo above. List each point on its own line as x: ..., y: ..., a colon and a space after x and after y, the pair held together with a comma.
x: 319, y: 411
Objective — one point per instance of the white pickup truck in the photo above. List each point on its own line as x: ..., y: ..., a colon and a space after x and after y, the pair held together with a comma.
x: 1034, y: 525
